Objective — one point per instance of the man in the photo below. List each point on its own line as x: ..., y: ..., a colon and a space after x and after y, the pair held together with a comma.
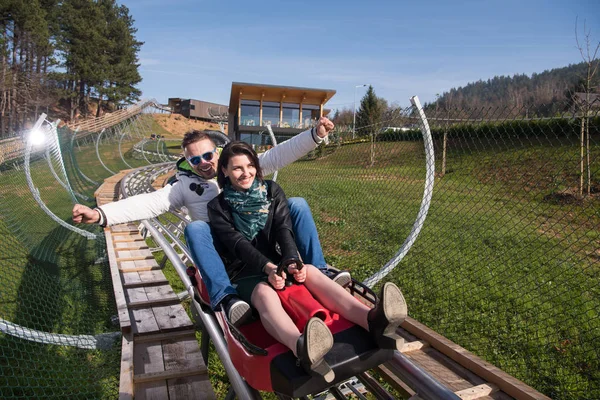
x: 194, y: 187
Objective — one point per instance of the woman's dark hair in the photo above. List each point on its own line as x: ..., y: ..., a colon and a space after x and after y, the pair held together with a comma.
x: 232, y: 149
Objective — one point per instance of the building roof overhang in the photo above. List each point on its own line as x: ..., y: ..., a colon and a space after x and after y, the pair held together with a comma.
x: 287, y: 94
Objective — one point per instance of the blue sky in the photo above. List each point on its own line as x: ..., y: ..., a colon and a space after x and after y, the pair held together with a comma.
x: 195, y: 49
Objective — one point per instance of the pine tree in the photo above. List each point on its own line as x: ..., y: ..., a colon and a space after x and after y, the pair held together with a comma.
x: 123, y: 58
x: 368, y: 118
x: 369, y: 114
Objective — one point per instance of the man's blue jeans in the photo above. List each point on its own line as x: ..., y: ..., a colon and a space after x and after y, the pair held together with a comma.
x: 200, y: 242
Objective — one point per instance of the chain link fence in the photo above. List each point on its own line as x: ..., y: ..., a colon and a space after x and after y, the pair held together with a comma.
x: 505, y: 261
x: 59, y: 337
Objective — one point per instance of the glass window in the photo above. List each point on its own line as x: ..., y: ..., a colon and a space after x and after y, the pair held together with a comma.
x: 290, y: 118
x: 270, y: 114
x: 250, y: 114
x: 310, y: 115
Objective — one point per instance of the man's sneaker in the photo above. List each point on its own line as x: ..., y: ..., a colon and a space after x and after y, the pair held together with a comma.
x: 342, y: 278
x: 237, y: 311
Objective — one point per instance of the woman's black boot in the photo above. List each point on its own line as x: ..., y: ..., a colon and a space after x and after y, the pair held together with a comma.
x: 312, y: 346
x: 387, y: 316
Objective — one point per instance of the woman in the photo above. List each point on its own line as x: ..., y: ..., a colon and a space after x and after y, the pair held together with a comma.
x: 251, y: 222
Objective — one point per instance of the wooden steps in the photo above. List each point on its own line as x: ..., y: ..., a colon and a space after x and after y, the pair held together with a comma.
x: 160, y: 356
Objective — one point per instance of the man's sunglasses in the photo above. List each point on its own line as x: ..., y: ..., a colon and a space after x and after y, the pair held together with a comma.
x: 208, y: 156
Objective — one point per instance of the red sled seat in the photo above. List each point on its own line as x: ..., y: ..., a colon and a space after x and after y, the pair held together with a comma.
x: 270, y: 366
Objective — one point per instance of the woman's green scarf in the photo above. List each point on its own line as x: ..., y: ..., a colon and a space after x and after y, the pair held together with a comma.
x: 250, y: 208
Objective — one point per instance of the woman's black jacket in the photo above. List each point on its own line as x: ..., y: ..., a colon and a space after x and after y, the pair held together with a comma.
x: 275, y: 242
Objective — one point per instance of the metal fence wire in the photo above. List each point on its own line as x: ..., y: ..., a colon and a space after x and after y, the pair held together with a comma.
x: 58, y: 334
x: 505, y: 261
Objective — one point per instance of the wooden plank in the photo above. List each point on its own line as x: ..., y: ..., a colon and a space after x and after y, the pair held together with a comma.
x: 130, y: 279
x: 412, y: 346
x: 143, y: 278
x: 131, y: 245
x: 149, y: 263
x: 126, y: 237
x: 492, y: 374
x: 160, y: 292
x: 172, y: 318
x: 144, y: 322
x: 477, y: 392
x: 152, y: 276
x: 164, y: 375
x: 133, y: 255
x: 136, y: 305
x: 189, y: 333
x: 126, y: 377
x: 148, y: 359
x: 135, y: 295
x: 139, y: 269
x: 182, y: 355
x: 138, y: 266
x: 444, y: 375
x: 456, y: 367
x: 122, y: 228
x: 145, y: 297
x: 123, y: 312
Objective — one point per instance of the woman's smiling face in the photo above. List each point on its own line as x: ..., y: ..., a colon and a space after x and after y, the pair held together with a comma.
x: 241, y: 171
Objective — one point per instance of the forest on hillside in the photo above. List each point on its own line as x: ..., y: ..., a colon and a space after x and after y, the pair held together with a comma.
x: 546, y: 94
x: 65, y: 52
x: 542, y: 94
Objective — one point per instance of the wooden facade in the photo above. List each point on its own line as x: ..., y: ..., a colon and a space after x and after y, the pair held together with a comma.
x: 270, y: 104
x: 198, y: 109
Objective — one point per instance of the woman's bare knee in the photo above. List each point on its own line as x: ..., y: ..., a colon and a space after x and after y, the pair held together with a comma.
x: 264, y: 297
x: 314, y: 275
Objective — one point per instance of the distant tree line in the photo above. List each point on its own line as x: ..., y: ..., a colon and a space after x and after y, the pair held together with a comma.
x: 542, y: 95
x: 65, y: 51
x: 545, y: 94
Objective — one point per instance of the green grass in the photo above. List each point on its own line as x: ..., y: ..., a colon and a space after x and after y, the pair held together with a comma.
x: 498, y: 268
x: 506, y: 265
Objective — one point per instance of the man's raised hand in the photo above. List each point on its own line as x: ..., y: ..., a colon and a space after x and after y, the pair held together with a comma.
x: 84, y: 214
x: 324, y: 126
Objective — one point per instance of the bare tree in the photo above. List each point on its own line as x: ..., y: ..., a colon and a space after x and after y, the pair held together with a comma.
x: 589, y: 54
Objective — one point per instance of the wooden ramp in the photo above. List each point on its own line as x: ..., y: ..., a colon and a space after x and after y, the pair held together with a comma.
x: 160, y: 356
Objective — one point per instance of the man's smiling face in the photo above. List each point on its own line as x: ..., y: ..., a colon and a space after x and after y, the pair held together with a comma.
x: 206, y: 169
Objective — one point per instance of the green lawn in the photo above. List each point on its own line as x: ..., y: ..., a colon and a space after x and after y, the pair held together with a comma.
x: 506, y: 265
x: 499, y: 267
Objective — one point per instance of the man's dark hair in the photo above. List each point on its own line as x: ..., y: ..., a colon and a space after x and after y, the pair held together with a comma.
x: 194, y: 136
x: 235, y: 149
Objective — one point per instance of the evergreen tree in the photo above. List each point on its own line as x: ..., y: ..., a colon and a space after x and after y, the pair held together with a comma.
x: 91, y: 41
x: 123, y: 72
x: 369, y: 113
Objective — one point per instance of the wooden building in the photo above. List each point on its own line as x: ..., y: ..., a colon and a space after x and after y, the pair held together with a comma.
x: 197, y: 109
x: 289, y: 110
